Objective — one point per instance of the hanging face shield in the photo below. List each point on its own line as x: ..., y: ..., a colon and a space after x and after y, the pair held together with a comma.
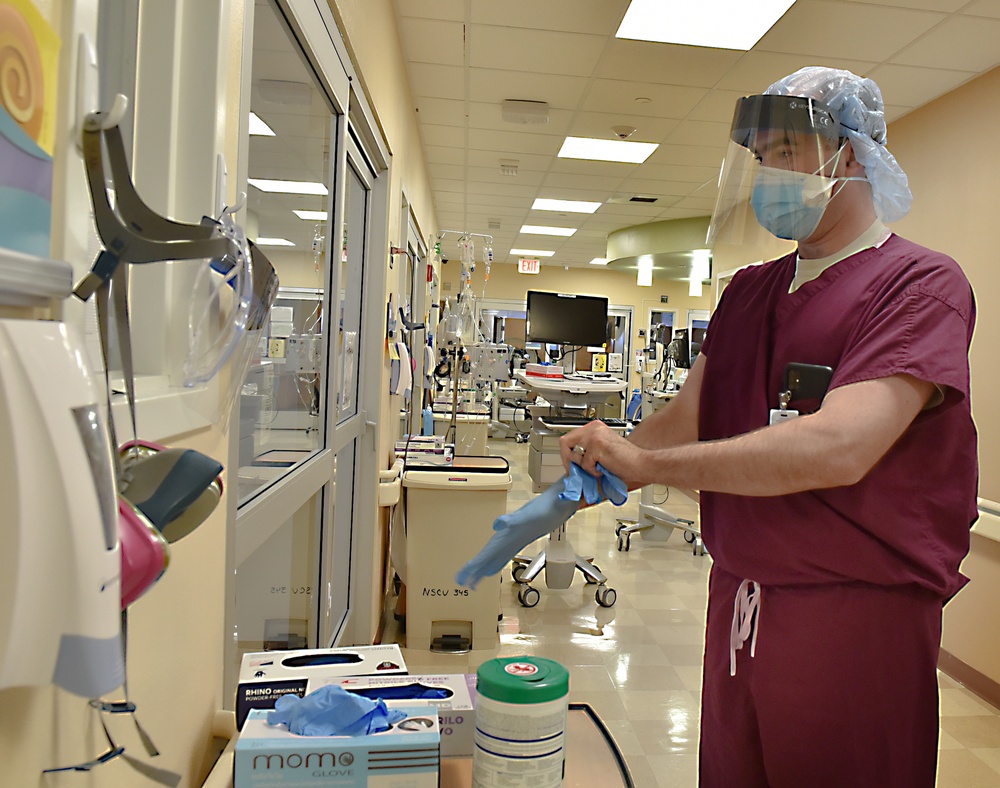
x: 779, y: 169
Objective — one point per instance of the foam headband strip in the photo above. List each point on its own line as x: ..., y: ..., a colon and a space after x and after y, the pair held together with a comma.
x: 177, y: 489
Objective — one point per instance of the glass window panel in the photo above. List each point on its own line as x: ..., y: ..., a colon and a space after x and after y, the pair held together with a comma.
x: 277, y: 585
x: 351, y: 277
x: 283, y: 402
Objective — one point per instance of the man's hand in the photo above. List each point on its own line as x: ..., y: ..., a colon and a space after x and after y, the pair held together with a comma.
x: 597, y: 443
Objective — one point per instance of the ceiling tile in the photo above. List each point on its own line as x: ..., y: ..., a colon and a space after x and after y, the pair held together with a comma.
x: 454, y: 172
x: 610, y: 169
x: 437, y: 154
x: 428, y: 79
x: 440, y: 111
x: 483, y: 115
x: 666, y: 101
x: 756, y: 70
x: 693, y: 132
x: 447, y: 185
x: 498, y: 200
x: 514, y: 142
x: 443, y: 135
x: 502, y: 189
x: 534, y: 51
x: 431, y: 9
x: 525, y: 161
x: 961, y: 43
x: 821, y: 29
x: 656, y: 188
x: 925, y: 5
x: 572, y: 16
x: 448, y: 38
x: 912, y: 86
x: 493, y: 175
x: 494, y: 85
x: 667, y: 64
x: 693, y: 155
x: 990, y: 8
x: 598, y: 124
x: 718, y: 106
x: 678, y: 172
x: 584, y: 182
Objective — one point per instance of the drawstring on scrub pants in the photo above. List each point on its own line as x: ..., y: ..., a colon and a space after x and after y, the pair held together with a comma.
x: 746, y: 621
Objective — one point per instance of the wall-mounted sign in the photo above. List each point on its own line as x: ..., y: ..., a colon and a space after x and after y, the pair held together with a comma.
x: 527, y: 266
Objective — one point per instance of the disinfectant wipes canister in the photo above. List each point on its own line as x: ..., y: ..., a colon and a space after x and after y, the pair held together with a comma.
x: 521, y: 705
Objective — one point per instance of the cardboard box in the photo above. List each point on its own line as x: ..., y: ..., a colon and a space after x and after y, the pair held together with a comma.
x: 405, y: 756
x: 267, y: 675
x: 456, y: 713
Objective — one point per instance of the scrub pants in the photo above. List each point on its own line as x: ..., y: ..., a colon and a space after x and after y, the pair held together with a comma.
x: 842, y: 691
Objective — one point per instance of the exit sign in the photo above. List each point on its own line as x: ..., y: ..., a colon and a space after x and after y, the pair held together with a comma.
x: 526, y: 266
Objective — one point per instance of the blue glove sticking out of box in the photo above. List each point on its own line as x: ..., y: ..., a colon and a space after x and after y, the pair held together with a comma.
x: 333, y: 711
x: 540, y: 516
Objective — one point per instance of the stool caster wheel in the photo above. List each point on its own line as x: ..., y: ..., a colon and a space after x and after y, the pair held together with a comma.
x: 528, y: 596
x: 517, y: 572
x: 588, y: 578
x: 605, y: 597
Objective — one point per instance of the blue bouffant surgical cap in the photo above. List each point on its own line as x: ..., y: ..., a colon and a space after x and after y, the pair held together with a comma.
x: 856, y: 103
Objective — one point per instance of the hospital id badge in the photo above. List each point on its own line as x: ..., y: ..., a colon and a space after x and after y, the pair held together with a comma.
x: 782, y: 413
x: 779, y: 415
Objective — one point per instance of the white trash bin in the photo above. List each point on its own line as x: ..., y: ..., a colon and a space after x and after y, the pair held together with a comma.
x: 449, y: 517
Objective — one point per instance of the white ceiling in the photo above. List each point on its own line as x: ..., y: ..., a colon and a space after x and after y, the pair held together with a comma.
x: 464, y: 57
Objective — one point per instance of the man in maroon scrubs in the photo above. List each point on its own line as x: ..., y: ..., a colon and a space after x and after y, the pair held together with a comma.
x: 836, y: 522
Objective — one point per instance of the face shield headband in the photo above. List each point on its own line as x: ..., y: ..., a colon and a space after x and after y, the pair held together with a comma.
x: 779, y: 150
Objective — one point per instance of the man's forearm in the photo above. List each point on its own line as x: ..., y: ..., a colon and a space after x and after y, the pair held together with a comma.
x: 778, y: 460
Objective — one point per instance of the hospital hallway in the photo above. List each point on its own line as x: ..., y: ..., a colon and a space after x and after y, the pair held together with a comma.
x: 643, y: 674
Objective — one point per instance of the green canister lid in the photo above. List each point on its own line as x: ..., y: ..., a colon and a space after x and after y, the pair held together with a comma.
x: 522, y: 680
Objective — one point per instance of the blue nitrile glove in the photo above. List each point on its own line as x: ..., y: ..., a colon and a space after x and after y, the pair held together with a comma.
x: 333, y: 711
x: 582, y: 484
x: 614, y: 489
x: 515, y: 531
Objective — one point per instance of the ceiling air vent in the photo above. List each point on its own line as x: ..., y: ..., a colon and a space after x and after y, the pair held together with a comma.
x: 525, y: 112
x: 620, y: 198
x: 493, y: 224
x: 508, y: 167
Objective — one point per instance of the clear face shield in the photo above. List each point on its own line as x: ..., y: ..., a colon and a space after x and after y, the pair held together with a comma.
x: 227, y: 314
x: 778, y: 170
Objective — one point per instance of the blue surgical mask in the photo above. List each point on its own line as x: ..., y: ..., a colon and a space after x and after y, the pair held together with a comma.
x: 790, y: 204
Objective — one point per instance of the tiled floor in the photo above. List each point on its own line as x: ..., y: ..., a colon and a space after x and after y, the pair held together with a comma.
x: 641, y: 670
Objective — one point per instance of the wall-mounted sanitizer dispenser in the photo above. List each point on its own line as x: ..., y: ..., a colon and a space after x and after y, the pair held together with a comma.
x: 60, y: 565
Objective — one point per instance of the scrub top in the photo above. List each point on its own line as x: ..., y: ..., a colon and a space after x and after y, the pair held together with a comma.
x: 899, y: 308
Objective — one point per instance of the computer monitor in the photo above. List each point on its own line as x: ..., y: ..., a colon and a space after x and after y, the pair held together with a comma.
x: 567, y: 319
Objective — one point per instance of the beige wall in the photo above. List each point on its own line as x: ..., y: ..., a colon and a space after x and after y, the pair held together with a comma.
x: 948, y: 149
x: 949, y: 152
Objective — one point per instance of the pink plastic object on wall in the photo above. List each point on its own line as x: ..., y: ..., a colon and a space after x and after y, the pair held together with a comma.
x: 145, y: 553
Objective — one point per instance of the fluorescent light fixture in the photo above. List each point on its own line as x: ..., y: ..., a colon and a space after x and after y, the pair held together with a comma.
x: 599, y: 261
x: 694, y: 288
x: 288, y: 187
x: 273, y: 242
x: 701, y: 264
x: 531, y: 253
x: 606, y: 150
x: 569, y: 206
x: 645, y: 276
x: 722, y: 24
x: 312, y: 216
x: 535, y: 229
x: 259, y: 128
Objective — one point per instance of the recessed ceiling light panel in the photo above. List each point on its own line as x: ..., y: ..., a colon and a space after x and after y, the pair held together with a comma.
x: 569, y: 206
x: 287, y: 187
x: 721, y: 24
x: 535, y: 229
x: 606, y: 150
x: 531, y: 253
